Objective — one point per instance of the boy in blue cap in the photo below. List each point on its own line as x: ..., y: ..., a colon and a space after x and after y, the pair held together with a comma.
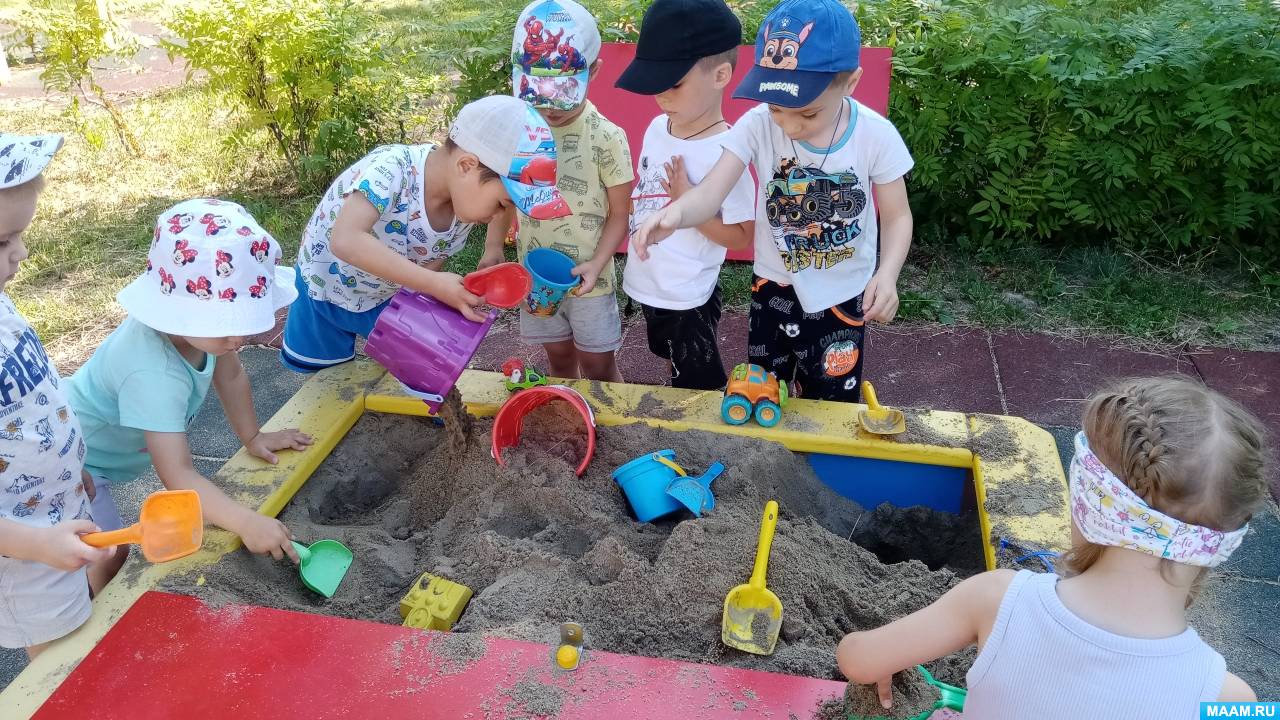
x: 818, y: 153
x: 685, y: 59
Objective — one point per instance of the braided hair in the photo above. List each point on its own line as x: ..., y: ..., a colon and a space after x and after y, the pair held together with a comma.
x: 1186, y: 450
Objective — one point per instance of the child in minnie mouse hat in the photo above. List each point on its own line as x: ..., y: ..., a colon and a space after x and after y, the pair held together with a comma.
x: 211, y: 282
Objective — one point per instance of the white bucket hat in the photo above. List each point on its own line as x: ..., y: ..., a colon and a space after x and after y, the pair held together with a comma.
x: 212, y: 272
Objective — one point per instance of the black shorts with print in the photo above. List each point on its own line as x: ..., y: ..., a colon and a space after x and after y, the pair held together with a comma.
x: 818, y: 354
x: 688, y: 339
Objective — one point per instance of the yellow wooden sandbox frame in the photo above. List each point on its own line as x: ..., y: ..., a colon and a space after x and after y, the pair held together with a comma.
x: 332, y: 401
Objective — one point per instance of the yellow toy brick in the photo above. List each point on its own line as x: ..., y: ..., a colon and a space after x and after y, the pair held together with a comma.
x: 434, y: 603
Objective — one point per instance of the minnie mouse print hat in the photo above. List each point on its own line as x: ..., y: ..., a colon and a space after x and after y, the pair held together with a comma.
x: 212, y: 272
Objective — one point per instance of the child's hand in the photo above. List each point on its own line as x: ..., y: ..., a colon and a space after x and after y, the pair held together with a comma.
x: 450, y: 291
x: 677, y: 182
x: 261, y: 534
x: 884, y: 690
x: 61, y: 547
x: 264, y: 444
x: 490, y: 259
x: 655, y: 229
x: 589, y: 272
x: 87, y: 481
x: 880, y: 299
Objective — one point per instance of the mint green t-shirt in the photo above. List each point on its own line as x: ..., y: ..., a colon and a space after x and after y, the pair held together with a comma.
x: 136, y: 381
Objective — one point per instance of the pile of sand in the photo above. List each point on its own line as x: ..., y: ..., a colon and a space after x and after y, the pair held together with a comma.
x: 540, y: 546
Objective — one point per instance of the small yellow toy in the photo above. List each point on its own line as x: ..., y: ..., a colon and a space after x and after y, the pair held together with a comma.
x: 434, y: 603
x: 569, y: 653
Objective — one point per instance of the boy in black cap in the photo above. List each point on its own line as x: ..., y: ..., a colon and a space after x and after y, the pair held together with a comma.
x: 818, y: 154
x: 685, y: 58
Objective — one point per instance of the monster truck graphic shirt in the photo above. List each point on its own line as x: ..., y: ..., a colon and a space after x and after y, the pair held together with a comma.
x: 591, y: 156
x: 815, y: 222
x: 682, y: 270
x: 41, y: 445
x: 391, y: 178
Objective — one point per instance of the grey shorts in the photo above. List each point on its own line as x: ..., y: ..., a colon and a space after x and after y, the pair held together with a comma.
x: 593, y: 323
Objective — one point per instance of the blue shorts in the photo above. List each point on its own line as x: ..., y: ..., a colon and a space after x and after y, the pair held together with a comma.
x: 319, y: 334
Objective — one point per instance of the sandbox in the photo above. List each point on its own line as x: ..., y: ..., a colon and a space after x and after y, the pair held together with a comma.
x: 540, y: 546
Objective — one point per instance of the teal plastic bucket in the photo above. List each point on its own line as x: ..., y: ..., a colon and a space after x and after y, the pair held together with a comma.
x: 644, y: 481
x: 553, y: 279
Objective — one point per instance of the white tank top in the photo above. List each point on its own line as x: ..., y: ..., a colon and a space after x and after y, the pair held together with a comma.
x: 1043, y: 662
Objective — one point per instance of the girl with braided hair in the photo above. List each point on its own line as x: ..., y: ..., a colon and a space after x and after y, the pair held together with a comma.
x: 1166, y: 476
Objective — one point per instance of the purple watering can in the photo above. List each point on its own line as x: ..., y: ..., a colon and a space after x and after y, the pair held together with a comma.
x: 425, y: 344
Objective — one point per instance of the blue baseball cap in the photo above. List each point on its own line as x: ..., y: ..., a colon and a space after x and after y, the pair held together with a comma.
x: 800, y: 47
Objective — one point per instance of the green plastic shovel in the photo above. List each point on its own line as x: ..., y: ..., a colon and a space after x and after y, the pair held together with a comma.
x: 323, y: 565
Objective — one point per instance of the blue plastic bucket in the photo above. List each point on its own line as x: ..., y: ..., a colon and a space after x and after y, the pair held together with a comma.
x: 644, y: 481
x: 552, y: 280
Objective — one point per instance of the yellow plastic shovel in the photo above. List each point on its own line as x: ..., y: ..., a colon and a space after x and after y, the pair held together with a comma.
x: 752, y: 613
x: 879, y: 420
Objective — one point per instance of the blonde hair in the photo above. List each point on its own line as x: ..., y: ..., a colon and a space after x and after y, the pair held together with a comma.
x: 1186, y: 450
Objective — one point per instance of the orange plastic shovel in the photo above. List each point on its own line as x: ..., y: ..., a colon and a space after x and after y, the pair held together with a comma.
x: 170, y: 526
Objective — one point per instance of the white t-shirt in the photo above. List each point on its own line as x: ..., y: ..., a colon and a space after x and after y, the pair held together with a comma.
x: 391, y: 178
x: 41, y: 446
x: 823, y: 243
x: 681, y: 270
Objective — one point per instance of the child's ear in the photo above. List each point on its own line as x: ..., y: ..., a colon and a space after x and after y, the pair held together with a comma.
x: 853, y: 81
x: 595, y: 68
x: 466, y: 162
x: 724, y: 74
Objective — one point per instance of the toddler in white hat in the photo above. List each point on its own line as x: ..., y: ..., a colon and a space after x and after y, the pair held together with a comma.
x: 211, y: 282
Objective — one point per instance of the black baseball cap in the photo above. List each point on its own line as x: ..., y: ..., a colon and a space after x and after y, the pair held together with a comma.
x: 674, y: 35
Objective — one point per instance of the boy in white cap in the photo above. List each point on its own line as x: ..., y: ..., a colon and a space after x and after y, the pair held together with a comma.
x: 391, y: 220
x: 211, y: 281
x: 555, y: 53
x: 44, y: 503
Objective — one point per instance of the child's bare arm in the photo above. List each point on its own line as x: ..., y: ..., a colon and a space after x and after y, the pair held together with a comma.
x: 958, y: 619
x: 232, y: 385
x: 733, y: 237
x: 1236, y: 690
x: 495, y: 238
x: 880, y: 299
x: 58, y: 546
x: 354, y: 242
x: 697, y: 206
x: 261, y: 534
x: 611, y: 237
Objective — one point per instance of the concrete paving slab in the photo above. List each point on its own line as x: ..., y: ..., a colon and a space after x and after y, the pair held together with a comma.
x: 934, y: 367
x: 211, y: 436
x: 1045, y: 379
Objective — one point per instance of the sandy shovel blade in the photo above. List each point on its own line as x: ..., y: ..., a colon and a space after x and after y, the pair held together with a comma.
x: 883, y: 422
x: 326, y: 567
x: 752, y: 620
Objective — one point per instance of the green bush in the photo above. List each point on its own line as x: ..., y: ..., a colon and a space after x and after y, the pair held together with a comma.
x: 69, y: 37
x: 318, y: 75
x: 1155, y: 124
x: 1148, y: 123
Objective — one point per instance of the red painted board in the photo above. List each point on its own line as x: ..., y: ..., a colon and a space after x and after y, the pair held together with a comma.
x: 172, y: 656
x: 633, y: 113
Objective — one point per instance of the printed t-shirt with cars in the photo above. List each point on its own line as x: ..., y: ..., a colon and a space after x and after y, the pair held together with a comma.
x: 41, y: 444
x: 391, y: 179
x: 592, y: 155
x: 816, y: 224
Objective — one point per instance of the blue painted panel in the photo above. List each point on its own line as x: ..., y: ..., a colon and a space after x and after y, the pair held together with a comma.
x: 871, y: 482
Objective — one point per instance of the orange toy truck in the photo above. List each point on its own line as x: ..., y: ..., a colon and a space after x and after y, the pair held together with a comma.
x: 753, y: 391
